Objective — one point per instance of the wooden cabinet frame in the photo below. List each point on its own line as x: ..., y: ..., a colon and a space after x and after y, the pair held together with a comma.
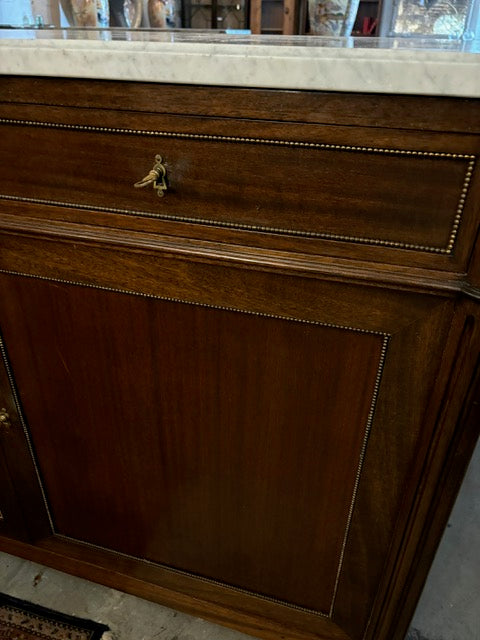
x: 381, y: 343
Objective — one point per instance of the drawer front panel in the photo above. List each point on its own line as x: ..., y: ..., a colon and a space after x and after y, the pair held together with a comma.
x: 395, y: 198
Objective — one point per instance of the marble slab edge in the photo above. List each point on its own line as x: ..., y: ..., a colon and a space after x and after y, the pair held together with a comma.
x: 417, y: 72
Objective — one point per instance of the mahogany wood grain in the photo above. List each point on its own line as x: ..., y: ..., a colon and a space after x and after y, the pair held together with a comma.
x: 361, y: 228
x: 371, y: 311
x: 388, y: 137
x: 460, y: 448
x: 17, y: 470
x: 193, y: 278
x: 340, y: 260
x: 215, y: 412
x: 233, y: 609
x: 294, y: 190
x: 239, y: 423
x: 418, y: 113
x: 11, y: 518
x: 473, y: 267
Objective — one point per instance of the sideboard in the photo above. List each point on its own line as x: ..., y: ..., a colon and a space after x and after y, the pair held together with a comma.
x: 248, y: 390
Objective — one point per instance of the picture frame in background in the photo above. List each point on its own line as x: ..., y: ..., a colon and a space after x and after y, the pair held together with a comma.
x: 451, y: 19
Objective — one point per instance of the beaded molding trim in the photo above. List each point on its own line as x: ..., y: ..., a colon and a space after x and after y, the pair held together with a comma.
x: 471, y: 159
x: 385, y: 340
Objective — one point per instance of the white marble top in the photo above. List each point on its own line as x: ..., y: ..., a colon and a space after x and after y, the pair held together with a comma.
x: 408, y: 66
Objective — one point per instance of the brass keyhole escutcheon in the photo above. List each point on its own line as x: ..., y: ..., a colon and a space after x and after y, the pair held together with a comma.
x: 4, y: 418
x: 157, y: 176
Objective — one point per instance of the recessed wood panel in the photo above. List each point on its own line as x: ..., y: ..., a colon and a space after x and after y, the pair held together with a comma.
x: 398, y: 198
x: 208, y: 440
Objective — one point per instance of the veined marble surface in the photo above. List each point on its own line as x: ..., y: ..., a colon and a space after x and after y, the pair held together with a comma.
x: 408, y: 66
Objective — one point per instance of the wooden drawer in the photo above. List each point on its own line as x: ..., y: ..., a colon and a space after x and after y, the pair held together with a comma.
x: 291, y: 184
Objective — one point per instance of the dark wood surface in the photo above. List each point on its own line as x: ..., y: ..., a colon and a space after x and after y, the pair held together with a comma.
x: 276, y: 425
x: 19, y: 486
x: 350, y: 193
x: 418, y: 113
x: 448, y: 455
x: 358, y: 204
x: 11, y: 519
x: 217, y: 442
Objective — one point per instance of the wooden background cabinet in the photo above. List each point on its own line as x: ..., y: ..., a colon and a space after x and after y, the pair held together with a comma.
x: 252, y: 399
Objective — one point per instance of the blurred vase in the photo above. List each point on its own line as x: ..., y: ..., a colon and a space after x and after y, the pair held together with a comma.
x: 103, y: 13
x: 157, y: 14
x: 126, y: 13
x: 332, y: 17
x: 86, y: 13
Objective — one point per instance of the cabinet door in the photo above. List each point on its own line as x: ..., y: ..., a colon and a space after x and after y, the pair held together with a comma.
x: 19, y: 485
x: 254, y: 430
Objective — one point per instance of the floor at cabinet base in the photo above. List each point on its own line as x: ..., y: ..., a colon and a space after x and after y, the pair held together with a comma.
x: 128, y: 617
